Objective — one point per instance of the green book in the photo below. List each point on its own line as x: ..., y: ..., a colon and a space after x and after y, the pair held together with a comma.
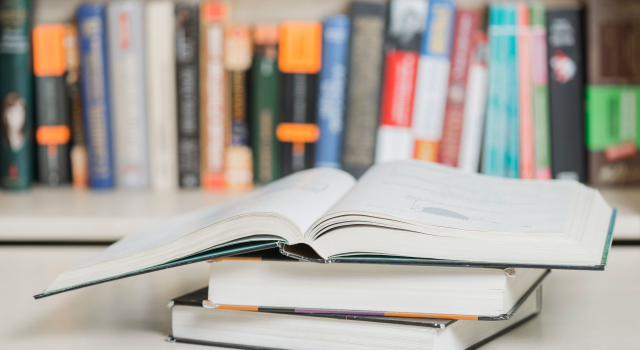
x: 16, y: 160
x: 265, y: 110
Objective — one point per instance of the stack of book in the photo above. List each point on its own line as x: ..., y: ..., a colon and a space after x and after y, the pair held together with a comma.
x: 413, y: 255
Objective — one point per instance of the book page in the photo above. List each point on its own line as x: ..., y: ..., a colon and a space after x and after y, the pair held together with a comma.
x: 302, y: 197
x: 431, y: 193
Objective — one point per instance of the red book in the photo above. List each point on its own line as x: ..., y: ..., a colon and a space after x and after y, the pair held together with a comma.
x: 399, y: 84
x: 467, y: 23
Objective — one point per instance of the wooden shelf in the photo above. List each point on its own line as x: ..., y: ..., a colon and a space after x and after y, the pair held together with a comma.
x: 62, y: 214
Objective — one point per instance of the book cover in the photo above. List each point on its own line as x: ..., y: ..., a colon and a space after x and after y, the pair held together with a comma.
x: 474, y: 106
x: 94, y: 84
x: 237, y: 57
x: 53, y: 133
x: 402, y: 45
x: 540, y: 97
x: 466, y: 27
x: 299, y: 60
x: 187, y: 79
x: 432, y: 79
x: 613, y: 81
x: 332, y: 84
x: 364, y: 85
x: 265, y: 107
x: 78, y: 155
x: 125, y: 24
x: 161, y: 95
x: 16, y: 162
x: 215, y: 128
x: 526, y: 156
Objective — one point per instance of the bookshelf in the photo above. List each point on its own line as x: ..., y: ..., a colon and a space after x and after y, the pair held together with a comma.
x: 63, y: 215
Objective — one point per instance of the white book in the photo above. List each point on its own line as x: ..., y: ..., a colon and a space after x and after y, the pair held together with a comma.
x: 398, y: 212
x: 125, y: 26
x: 161, y: 98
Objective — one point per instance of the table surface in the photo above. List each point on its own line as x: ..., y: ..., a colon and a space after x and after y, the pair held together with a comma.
x: 581, y: 309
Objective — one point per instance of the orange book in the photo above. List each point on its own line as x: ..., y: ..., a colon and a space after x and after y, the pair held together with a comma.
x: 300, y: 47
x: 525, y: 107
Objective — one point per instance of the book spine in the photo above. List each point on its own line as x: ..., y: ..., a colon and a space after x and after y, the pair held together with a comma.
x: 187, y: 56
x: 402, y: 47
x: 94, y: 85
x: 566, y: 94
x: 299, y: 60
x: 52, y: 119
x: 265, y: 111
x: 79, y: 162
x: 16, y: 163
x: 331, y: 90
x: 215, y: 127
x: 239, y: 158
x: 474, y: 108
x: 364, y: 83
x: 161, y: 96
x: 525, y: 104
x: 512, y: 160
x: 467, y: 22
x: 126, y: 58
x: 433, y: 76
x: 540, y: 97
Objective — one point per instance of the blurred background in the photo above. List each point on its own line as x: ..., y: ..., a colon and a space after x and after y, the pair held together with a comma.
x: 117, y: 114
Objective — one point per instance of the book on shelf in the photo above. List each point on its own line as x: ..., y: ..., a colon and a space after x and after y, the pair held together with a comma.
x: 401, y: 49
x: 52, y: 114
x: 613, y: 92
x: 364, y: 85
x: 215, y: 128
x: 271, y: 329
x: 432, y: 79
x: 299, y: 61
x: 265, y: 108
x: 161, y: 95
x: 16, y: 126
x: 566, y: 61
x: 332, y: 82
x: 237, y: 58
x: 188, y: 85
x: 526, y: 155
x: 125, y: 25
x: 406, y: 212
x: 95, y: 94
x: 269, y: 280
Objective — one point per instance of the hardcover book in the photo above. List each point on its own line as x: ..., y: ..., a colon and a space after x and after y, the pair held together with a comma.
x: 405, y: 212
x: 402, y: 45
x: 269, y: 329
x: 566, y: 93
x: 52, y: 115
x: 299, y: 60
x: 188, y: 85
x: 540, y: 98
x: 161, y: 96
x: 526, y: 155
x: 366, y: 61
x: 16, y: 160
x: 432, y: 79
x: 125, y: 23
x: 265, y: 108
x: 96, y: 103
x: 332, y: 84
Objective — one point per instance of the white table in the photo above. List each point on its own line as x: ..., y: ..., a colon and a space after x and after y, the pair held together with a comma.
x: 581, y: 310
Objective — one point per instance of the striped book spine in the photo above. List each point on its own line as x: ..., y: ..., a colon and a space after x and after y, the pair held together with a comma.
x: 95, y: 94
x: 539, y: 69
x: 525, y: 106
x: 331, y: 90
x: 432, y: 80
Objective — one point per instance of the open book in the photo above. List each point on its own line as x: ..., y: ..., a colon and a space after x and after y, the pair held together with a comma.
x: 411, y: 212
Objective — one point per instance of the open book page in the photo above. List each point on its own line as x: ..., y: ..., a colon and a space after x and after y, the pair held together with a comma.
x: 434, y: 194
x: 302, y: 197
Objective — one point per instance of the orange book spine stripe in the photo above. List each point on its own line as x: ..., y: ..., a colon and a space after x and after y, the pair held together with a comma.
x: 527, y: 148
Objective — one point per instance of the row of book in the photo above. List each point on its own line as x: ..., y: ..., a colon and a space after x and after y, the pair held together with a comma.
x: 174, y: 95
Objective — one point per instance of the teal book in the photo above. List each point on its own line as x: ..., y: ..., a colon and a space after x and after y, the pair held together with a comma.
x: 16, y: 144
x: 511, y: 92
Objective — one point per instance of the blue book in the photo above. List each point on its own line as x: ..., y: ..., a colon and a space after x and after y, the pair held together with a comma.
x: 512, y: 114
x: 95, y: 94
x: 331, y: 91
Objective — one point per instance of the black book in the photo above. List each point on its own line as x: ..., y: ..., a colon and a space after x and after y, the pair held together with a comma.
x: 187, y: 87
x: 565, y: 37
